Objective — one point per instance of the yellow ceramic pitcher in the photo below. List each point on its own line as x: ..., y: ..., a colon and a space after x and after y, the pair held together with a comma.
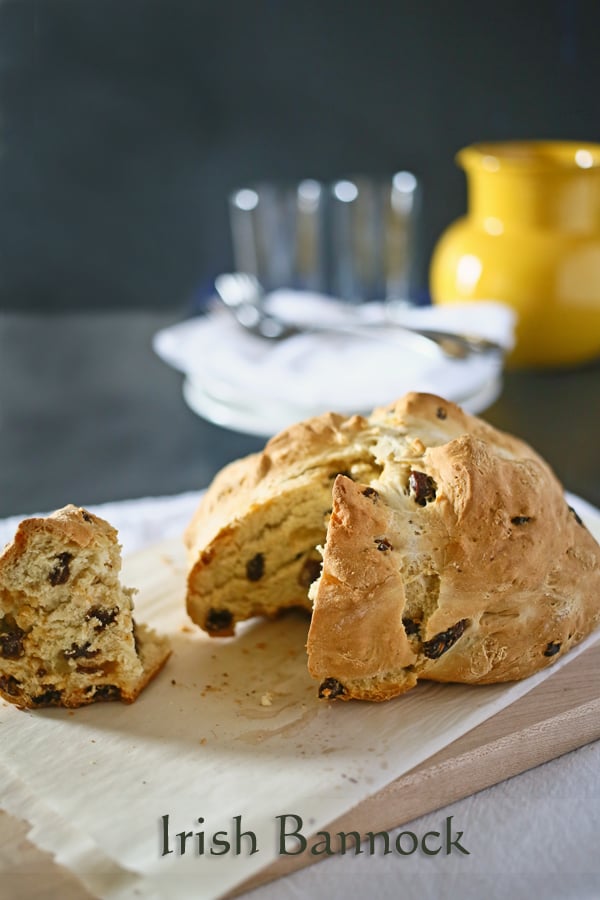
x: 531, y: 238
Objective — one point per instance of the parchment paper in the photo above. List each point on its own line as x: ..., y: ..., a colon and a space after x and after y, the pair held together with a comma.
x: 230, y: 728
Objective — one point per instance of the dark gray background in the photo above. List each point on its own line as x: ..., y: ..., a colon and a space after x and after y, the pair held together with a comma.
x: 126, y: 122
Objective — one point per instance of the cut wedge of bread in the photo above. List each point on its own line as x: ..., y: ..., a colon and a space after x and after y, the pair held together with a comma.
x: 67, y: 636
x: 252, y: 544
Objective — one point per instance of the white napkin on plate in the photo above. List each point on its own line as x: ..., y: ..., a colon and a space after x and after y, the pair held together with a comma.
x: 309, y: 373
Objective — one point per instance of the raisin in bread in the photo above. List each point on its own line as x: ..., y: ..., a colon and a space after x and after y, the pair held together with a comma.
x: 456, y: 559
x: 252, y: 544
x: 67, y: 637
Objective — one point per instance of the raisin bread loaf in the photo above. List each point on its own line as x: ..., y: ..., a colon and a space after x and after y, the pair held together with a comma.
x: 67, y: 637
x: 450, y: 552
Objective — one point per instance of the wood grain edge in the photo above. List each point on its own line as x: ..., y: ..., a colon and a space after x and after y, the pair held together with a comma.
x: 560, y: 715
x: 29, y: 873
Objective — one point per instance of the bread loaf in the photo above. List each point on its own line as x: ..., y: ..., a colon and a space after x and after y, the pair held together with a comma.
x: 67, y: 636
x: 449, y: 553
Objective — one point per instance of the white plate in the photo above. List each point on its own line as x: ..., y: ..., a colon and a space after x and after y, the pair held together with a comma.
x: 243, y: 382
x: 265, y: 420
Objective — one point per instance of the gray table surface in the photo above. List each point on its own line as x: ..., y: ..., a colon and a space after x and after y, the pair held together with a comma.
x: 88, y: 414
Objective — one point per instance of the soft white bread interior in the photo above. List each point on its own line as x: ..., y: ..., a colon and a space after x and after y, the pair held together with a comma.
x: 67, y: 636
x: 252, y: 544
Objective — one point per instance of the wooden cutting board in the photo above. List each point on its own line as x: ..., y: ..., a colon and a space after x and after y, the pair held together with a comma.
x: 561, y: 714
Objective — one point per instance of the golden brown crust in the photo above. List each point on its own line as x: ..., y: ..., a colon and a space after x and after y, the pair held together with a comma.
x: 510, y: 577
x: 74, y: 523
x: 356, y: 627
x: 67, y: 637
x: 451, y: 553
x: 248, y: 481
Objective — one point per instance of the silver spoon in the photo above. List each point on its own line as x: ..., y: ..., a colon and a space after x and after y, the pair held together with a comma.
x: 244, y: 296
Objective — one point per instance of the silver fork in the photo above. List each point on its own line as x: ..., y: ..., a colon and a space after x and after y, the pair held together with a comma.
x: 244, y: 296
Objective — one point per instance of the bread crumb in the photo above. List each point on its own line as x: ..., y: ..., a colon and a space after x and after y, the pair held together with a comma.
x: 266, y: 699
